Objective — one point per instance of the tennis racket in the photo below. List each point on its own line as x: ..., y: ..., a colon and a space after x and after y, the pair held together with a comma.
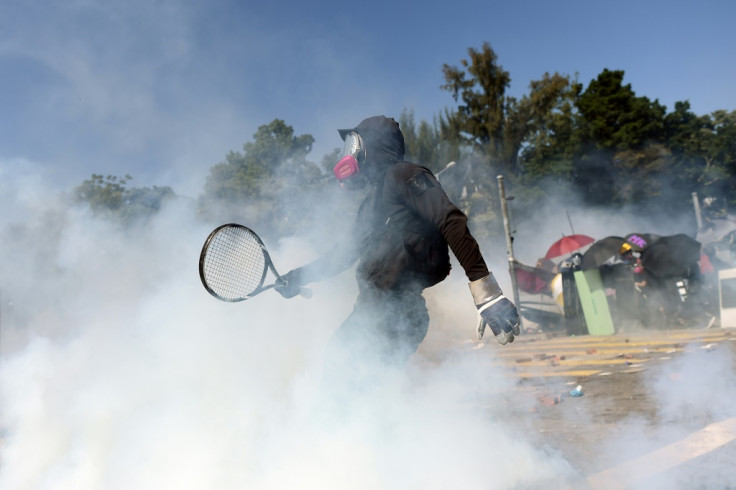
x: 234, y: 263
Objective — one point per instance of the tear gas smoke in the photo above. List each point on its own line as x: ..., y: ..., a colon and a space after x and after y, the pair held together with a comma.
x: 689, y: 391
x: 118, y: 370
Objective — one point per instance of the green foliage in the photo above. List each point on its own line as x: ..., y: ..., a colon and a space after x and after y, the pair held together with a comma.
x: 329, y: 161
x: 242, y: 175
x: 479, y: 87
x: 425, y: 144
x: 703, y: 150
x: 528, y: 139
x: 110, y: 198
x: 545, y: 124
x: 266, y: 184
x: 614, y: 118
x: 601, y: 140
x: 506, y: 132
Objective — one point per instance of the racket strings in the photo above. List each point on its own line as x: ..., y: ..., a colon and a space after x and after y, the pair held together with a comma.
x: 234, y: 265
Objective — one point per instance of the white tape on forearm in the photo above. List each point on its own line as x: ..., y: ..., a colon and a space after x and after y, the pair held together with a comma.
x: 484, y: 290
x: 491, y: 303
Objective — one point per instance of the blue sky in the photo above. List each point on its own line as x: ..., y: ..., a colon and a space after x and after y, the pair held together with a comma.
x: 163, y: 90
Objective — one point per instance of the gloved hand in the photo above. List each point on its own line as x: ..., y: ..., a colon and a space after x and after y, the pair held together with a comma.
x: 496, y: 311
x: 289, y: 285
x: 502, y: 317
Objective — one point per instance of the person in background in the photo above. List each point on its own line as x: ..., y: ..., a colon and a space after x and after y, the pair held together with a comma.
x: 651, y: 295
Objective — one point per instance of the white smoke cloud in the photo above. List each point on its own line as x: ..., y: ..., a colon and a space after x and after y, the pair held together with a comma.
x: 699, y: 385
x: 118, y: 370
x: 681, y: 395
x: 686, y: 395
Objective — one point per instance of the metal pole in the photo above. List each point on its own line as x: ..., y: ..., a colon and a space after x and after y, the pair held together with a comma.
x: 509, y: 240
x: 447, y: 167
x: 570, y: 221
x: 696, y: 205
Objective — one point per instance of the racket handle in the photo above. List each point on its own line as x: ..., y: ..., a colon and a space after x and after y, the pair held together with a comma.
x: 305, y: 292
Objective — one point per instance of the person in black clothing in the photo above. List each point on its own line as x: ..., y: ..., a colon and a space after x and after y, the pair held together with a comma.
x: 400, y: 238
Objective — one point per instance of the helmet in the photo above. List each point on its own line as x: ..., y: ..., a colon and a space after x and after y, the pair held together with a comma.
x: 347, y: 169
x: 624, y: 249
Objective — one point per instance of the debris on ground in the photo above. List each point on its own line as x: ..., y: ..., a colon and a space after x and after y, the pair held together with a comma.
x: 577, y: 391
x: 549, y: 399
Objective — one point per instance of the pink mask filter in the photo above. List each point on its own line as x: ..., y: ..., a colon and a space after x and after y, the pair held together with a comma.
x: 346, y: 168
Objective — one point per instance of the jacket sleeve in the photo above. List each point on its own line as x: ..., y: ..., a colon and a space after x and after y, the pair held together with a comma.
x: 338, y: 259
x: 419, y: 190
x: 330, y: 264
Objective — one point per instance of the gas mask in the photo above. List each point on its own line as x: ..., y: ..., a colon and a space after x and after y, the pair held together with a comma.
x: 347, y: 170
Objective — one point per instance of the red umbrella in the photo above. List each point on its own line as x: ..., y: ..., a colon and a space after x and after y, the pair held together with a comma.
x: 568, y: 244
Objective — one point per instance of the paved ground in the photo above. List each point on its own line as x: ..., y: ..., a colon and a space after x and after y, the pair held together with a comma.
x: 654, y: 412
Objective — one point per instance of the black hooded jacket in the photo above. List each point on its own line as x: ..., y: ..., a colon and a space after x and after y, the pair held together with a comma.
x: 405, y: 224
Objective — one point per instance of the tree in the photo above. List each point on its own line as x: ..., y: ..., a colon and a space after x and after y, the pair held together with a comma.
x: 621, y: 136
x: 101, y: 193
x: 687, y: 135
x: 721, y: 146
x: 267, y: 183
x: 425, y: 144
x: 548, y: 139
x: 612, y: 145
x: 703, y: 150
x: 242, y: 175
x: 479, y: 87
x: 502, y: 129
x: 110, y: 198
x: 615, y: 118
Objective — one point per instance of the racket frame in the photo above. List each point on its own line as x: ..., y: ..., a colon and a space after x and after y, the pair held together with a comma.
x: 268, y: 264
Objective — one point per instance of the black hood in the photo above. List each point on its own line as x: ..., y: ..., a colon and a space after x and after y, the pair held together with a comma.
x: 384, y: 144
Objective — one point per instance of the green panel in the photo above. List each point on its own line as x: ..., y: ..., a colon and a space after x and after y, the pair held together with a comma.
x: 594, y: 302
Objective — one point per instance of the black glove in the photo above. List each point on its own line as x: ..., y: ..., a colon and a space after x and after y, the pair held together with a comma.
x: 496, y: 311
x: 289, y: 285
